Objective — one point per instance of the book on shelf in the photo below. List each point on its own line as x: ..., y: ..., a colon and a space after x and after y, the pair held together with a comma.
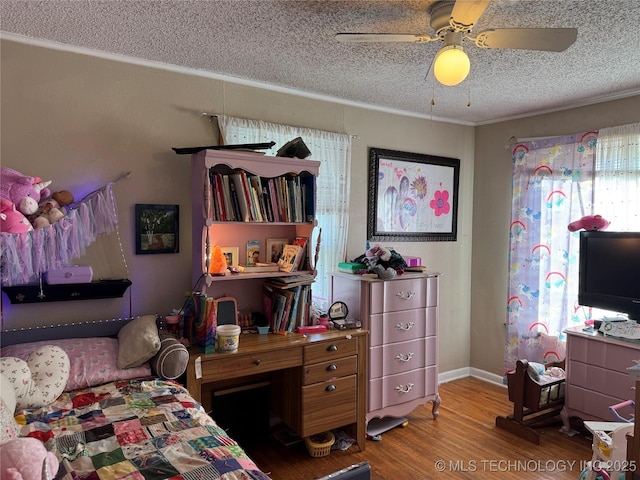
x: 236, y: 180
x: 287, y: 308
x: 258, y: 268
x: 293, y: 279
x: 253, y: 252
x: 287, y: 261
x: 301, y: 259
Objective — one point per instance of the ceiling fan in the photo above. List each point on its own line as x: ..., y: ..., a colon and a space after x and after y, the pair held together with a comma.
x: 453, y: 22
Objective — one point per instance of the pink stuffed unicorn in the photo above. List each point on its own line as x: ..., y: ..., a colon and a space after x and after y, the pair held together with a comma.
x: 11, y: 220
x: 24, y: 191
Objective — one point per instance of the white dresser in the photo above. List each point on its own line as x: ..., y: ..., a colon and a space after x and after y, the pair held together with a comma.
x: 402, y: 318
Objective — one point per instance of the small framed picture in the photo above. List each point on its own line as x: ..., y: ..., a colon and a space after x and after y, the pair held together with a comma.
x: 156, y: 228
x: 232, y: 255
x: 274, y: 249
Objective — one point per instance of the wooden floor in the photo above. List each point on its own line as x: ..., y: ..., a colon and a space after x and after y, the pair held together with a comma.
x: 463, y: 443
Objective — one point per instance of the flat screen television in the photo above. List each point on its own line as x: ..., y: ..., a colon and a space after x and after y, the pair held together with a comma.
x: 609, y: 268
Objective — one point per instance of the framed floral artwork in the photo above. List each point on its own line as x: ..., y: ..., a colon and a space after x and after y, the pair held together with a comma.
x: 412, y: 197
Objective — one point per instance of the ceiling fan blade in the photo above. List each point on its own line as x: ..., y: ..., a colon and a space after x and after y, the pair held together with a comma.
x: 383, y: 37
x: 546, y: 39
x: 466, y: 13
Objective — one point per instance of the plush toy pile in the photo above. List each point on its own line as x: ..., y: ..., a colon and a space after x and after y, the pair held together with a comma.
x: 384, y: 262
x: 26, y: 202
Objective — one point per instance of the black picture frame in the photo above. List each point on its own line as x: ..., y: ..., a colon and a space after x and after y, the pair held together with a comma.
x: 412, y: 197
x: 157, y: 229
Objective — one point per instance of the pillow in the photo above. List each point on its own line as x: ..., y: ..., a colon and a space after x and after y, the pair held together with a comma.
x: 139, y: 341
x: 535, y: 370
x: 171, y: 360
x: 38, y: 380
x: 94, y: 361
x: 8, y: 427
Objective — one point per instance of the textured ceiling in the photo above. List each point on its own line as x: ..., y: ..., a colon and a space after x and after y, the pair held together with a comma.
x: 290, y: 44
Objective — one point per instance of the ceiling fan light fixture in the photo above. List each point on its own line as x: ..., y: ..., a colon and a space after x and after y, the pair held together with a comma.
x: 451, y: 65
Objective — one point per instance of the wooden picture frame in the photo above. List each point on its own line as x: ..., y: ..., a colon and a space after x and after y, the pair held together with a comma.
x: 274, y: 247
x: 412, y: 197
x: 232, y: 254
x: 157, y: 229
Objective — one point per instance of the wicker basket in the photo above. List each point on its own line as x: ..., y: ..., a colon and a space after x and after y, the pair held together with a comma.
x: 320, y: 445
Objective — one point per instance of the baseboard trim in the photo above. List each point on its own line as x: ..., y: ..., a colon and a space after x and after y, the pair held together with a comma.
x: 459, y: 373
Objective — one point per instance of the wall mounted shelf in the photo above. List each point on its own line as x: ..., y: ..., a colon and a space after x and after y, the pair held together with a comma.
x: 20, y: 294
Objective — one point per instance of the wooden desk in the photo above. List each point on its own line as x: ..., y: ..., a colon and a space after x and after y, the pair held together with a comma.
x: 318, y: 381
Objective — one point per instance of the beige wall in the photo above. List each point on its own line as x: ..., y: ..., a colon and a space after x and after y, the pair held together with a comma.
x: 81, y: 121
x: 492, y: 210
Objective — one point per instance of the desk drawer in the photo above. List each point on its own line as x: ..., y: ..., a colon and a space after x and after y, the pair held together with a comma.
x: 324, y: 396
x: 323, y: 410
x: 237, y: 365
x: 327, y: 351
x: 323, y: 371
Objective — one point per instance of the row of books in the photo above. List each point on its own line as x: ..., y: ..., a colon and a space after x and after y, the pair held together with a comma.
x: 243, y: 197
x: 287, y: 308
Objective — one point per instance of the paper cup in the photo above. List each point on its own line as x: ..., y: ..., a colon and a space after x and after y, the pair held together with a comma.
x: 228, y: 337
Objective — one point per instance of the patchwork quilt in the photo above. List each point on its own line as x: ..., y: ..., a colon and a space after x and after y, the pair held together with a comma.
x: 136, y: 430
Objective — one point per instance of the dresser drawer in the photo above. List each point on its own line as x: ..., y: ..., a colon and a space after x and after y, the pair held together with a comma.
x: 402, y: 326
x: 323, y: 371
x: 238, y: 365
x: 400, y: 388
x: 327, y: 351
x: 402, y: 357
x: 398, y: 295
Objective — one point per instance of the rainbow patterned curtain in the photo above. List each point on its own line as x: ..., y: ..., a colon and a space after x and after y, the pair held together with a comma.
x: 26, y: 255
x: 552, y: 186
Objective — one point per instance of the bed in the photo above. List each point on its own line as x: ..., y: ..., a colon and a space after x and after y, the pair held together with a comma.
x: 111, y: 422
x: 537, y: 392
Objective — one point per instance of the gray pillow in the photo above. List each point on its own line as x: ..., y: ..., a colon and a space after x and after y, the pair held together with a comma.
x: 171, y: 360
x: 138, y: 341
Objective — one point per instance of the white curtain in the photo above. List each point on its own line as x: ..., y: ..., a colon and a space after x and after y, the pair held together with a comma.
x: 333, y: 150
x: 617, y: 177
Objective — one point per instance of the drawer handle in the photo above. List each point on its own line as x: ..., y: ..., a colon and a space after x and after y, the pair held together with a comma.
x: 405, y: 296
x: 404, y: 358
x: 407, y: 326
x: 332, y: 348
x: 404, y: 388
x: 332, y: 368
x: 330, y: 388
x: 256, y: 361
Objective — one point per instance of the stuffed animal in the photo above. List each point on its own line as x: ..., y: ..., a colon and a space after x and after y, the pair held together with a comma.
x: 589, y: 222
x: 11, y: 220
x: 382, y: 261
x: 26, y: 458
x: 24, y: 191
x: 51, y: 209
